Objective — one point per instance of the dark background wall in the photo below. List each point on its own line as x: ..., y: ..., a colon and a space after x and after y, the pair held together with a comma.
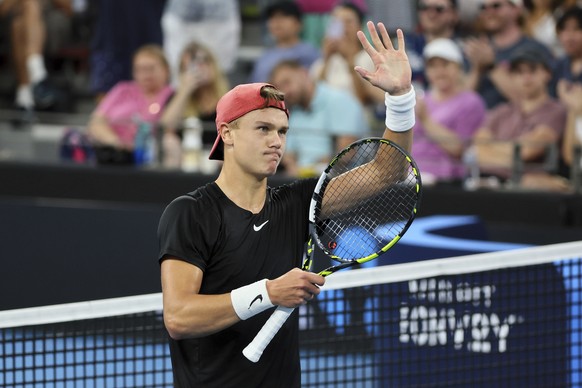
x: 74, y: 233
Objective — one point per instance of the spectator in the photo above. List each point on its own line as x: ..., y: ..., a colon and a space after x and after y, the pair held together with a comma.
x: 284, y: 22
x: 447, y: 115
x: 571, y: 95
x: 540, y: 22
x: 569, y: 29
x: 216, y: 23
x: 28, y: 40
x: 488, y: 55
x: 323, y: 119
x: 436, y: 19
x: 201, y: 85
x: 341, y: 51
x: 114, y: 123
x: 121, y: 27
x: 534, y: 120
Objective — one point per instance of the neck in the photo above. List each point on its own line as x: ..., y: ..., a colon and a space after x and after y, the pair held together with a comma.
x: 308, y: 96
x: 576, y: 65
x: 507, y: 37
x: 446, y: 33
x: 529, y: 104
x: 447, y: 92
x: 247, y: 192
x: 288, y: 41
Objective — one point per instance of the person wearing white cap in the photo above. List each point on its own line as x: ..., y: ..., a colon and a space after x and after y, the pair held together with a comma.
x: 447, y: 115
x: 436, y: 19
x: 488, y: 55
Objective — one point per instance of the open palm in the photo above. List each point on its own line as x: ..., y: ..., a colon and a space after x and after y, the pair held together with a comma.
x: 392, y: 71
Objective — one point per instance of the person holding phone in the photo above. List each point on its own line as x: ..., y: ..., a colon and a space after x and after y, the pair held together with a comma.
x: 201, y: 85
x: 341, y: 52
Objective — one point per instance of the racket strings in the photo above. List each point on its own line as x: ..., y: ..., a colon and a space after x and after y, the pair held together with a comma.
x: 366, y: 223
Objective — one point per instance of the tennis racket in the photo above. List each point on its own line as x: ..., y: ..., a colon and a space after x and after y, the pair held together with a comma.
x: 362, y: 205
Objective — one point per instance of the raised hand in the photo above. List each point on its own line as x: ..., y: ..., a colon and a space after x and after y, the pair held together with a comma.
x: 392, y: 71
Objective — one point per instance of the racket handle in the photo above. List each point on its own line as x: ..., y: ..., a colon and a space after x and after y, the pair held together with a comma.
x: 255, y: 349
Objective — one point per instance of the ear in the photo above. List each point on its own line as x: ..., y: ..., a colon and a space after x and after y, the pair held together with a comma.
x: 226, y: 134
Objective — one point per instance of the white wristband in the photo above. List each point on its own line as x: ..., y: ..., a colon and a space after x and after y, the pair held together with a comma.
x: 251, y: 300
x: 400, y: 116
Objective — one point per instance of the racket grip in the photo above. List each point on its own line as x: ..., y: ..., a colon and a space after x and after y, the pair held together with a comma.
x: 255, y: 349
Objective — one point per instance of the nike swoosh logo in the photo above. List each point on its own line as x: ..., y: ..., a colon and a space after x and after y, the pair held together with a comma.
x: 257, y: 228
x: 258, y: 297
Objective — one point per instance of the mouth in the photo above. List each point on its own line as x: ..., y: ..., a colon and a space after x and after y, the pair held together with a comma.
x: 274, y: 155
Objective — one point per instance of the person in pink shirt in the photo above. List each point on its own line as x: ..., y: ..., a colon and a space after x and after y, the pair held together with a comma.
x: 447, y: 115
x: 115, y: 121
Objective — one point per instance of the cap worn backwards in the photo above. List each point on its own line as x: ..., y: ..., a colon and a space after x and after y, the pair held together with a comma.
x: 239, y: 101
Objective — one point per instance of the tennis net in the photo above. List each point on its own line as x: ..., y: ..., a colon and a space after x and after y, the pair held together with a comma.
x: 511, y: 318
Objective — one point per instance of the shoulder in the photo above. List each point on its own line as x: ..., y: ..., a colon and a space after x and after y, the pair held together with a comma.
x: 554, y: 105
x: 300, y: 189
x: 200, y: 200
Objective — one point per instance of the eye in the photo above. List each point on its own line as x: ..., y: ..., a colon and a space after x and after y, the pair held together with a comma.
x: 283, y: 131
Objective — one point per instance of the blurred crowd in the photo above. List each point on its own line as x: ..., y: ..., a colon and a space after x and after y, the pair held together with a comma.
x: 498, y: 82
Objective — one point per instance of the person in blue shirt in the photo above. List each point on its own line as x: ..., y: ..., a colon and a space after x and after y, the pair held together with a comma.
x: 284, y: 23
x: 324, y: 119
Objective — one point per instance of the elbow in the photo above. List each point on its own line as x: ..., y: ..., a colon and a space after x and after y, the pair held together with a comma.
x: 175, y: 329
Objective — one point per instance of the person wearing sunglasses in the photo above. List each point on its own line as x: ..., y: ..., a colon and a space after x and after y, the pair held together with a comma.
x: 501, y: 22
x: 436, y: 19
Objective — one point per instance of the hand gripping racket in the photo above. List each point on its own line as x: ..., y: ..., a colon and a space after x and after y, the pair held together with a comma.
x: 362, y: 205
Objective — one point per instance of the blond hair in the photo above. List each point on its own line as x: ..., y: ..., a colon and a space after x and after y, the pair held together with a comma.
x: 218, y: 85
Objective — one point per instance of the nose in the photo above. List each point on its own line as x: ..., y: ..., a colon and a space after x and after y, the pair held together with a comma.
x: 276, y: 140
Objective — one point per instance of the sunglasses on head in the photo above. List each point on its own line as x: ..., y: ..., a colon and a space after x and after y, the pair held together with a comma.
x: 497, y: 5
x: 436, y: 8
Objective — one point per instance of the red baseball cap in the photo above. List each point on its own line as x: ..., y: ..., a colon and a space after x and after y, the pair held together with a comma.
x: 239, y: 101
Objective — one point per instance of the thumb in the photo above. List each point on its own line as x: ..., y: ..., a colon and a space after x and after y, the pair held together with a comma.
x: 365, y: 74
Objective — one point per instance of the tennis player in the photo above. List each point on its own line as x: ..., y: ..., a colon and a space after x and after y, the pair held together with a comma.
x: 231, y: 249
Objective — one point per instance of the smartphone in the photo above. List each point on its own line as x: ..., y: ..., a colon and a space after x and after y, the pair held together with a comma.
x: 335, y: 28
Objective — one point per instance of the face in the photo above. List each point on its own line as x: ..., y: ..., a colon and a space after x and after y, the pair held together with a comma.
x: 149, y: 72
x: 436, y: 16
x: 531, y: 80
x: 496, y: 15
x: 258, y: 141
x: 350, y: 21
x: 442, y: 74
x: 292, y: 82
x: 283, y: 27
x: 571, y: 38
x: 199, y: 62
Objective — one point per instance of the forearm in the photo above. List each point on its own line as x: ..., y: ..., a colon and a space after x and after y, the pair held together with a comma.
x: 444, y: 137
x: 198, y: 315
x: 473, y: 78
x: 102, y: 133
x: 570, y: 137
x: 174, y: 111
x: 495, y: 154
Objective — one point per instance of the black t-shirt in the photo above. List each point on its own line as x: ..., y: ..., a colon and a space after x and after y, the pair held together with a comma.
x: 234, y: 247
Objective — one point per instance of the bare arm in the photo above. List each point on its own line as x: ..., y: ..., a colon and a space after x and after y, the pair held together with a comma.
x: 571, y: 95
x: 392, y: 75
x: 189, y: 314
x: 491, y: 153
x: 447, y: 139
x: 102, y: 133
